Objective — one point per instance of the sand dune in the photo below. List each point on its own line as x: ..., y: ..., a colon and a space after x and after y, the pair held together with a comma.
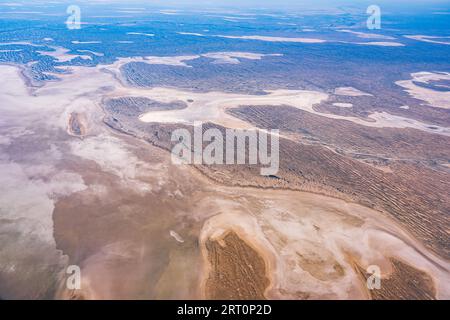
x: 131, y: 203
x: 306, y: 239
x: 212, y: 107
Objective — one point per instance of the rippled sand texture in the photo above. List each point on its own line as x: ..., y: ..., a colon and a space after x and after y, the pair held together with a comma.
x: 310, y: 244
x: 75, y: 192
x: 237, y: 271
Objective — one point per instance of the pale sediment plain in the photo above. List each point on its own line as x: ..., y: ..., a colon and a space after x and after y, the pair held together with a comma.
x: 62, y: 55
x: 138, y: 225
x: 275, y: 39
x: 350, y: 91
x: 308, y: 40
x: 181, y: 61
x: 430, y: 39
x: 438, y: 99
x: 212, y: 107
x: 366, y: 35
x: 381, y: 44
x: 343, y: 105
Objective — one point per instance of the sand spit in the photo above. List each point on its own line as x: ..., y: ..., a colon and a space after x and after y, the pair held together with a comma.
x: 275, y: 39
x: 365, y: 35
x: 86, y: 42
x: 191, y: 34
x: 343, y: 105
x: 429, y: 39
x: 176, y: 236
x: 140, y: 34
x: 350, y: 92
x: 381, y: 44
x: 12, y: 50
x: 434, y: 98
x: 309, y: 40
x: 22, y: 43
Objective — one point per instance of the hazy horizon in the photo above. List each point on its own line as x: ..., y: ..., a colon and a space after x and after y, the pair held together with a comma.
x: 270, y: 4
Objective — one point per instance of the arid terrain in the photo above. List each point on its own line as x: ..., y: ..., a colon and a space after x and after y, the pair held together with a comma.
x: 355, y: 121
x: 114, y: 204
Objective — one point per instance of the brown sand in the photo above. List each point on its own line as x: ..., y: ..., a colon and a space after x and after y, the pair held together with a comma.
x: 108, y: 203
x: 403, y: 283
x: 237, y: 270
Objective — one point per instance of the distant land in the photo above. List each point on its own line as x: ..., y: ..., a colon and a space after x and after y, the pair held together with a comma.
x: 87, y: 177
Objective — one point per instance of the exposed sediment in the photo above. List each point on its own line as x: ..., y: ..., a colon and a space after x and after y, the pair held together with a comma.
x: 403, y: 283
x: 77, y: 125
x: 237, y: 271
x: 109, y: 204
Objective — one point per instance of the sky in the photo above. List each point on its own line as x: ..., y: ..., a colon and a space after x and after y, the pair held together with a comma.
x: 254, y: 3
x: 397, y: 6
